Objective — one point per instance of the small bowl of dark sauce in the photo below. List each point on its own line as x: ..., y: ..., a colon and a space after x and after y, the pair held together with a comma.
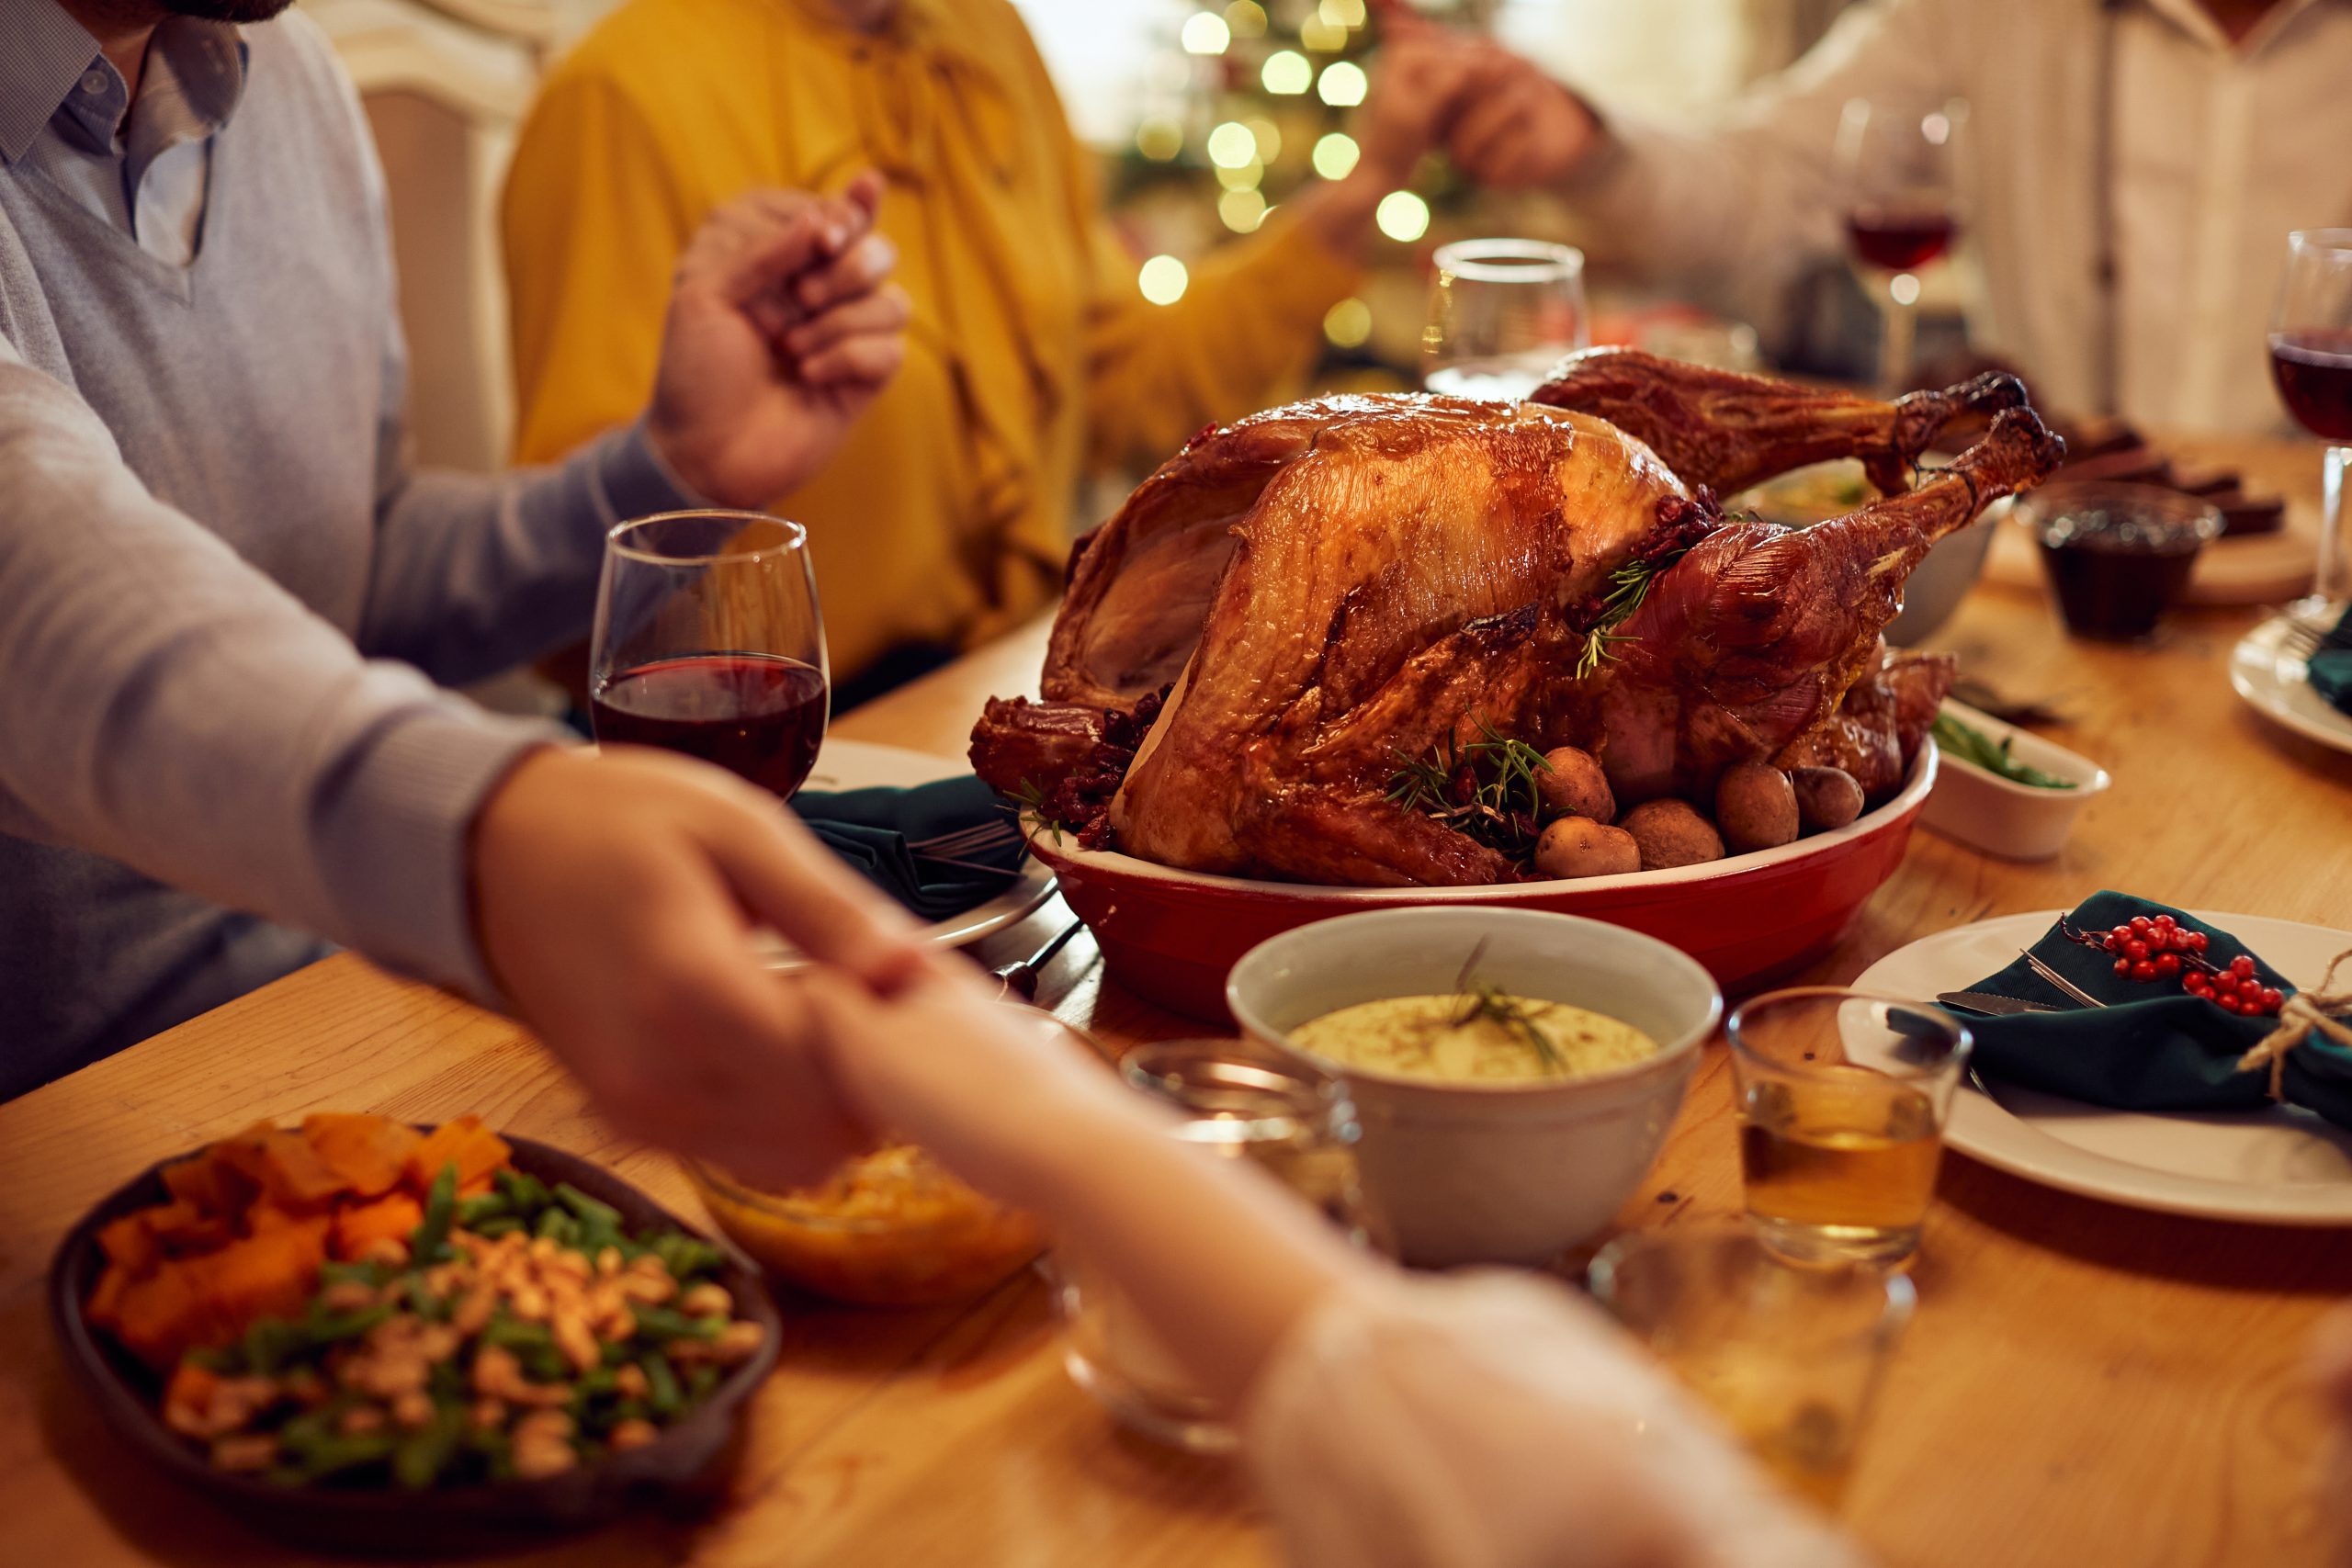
x: 2118, y: 555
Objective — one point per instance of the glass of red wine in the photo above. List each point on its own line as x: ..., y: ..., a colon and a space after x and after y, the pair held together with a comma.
x: 1898, y: 174
x: 2310, y: 359
x: 708, y: 643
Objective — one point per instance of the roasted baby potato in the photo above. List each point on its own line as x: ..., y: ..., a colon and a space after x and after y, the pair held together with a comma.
x: 1578, y: 846
x: 1575, y: 787
x: 1826, y: 797
x: 1755, y: 807
x: 1671, y: 832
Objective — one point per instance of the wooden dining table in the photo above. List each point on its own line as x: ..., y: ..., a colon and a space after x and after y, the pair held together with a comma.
x: 2083, y: 1384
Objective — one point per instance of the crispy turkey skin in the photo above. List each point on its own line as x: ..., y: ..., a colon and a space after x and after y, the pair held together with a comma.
x: 1324, y: 589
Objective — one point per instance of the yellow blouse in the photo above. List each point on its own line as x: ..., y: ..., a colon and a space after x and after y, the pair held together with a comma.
x: 1031, y: 355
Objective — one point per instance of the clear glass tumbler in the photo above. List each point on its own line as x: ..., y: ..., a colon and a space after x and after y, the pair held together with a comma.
x: 1502, y: 313
x: 1842, y: 1096
x: 1790, y: 1355
x: 1239, y: 1105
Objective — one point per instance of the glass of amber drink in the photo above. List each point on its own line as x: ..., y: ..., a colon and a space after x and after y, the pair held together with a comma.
x: 1842, y: 1096
x: 1788, y: 1356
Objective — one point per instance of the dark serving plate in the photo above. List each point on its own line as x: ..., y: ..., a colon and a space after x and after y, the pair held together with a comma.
x: 680, y: 1467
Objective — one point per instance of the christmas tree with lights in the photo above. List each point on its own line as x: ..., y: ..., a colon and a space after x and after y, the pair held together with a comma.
x: 1253, y: 103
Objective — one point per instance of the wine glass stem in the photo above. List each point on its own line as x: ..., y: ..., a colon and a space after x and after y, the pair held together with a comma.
x: 2331, y: 579
x: 1900, y: 323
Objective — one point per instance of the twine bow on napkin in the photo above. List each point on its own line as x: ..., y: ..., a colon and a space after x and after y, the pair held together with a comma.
x: 2300, y: 1017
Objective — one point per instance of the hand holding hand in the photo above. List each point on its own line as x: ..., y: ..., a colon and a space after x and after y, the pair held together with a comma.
x: 1522, y: 130
x: 972, y: 1079
x: 1421, y: 85
x: 615, y: 896
x: 781, y: 328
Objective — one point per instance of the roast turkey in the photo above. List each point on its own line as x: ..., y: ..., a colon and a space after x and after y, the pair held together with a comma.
x: 1297, y: 601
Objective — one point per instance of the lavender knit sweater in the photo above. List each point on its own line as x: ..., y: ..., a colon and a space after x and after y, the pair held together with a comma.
x: 225, y: 598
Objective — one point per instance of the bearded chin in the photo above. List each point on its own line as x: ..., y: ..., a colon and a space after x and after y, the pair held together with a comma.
x: 226, y: 10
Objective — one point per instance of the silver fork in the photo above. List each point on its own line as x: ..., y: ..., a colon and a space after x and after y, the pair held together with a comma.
x: 2059, y: 980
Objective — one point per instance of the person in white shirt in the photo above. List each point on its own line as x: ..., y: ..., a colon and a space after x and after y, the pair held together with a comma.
x: 2137, y: 165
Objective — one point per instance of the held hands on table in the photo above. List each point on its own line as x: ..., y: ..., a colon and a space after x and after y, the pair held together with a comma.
x: 612, y: 894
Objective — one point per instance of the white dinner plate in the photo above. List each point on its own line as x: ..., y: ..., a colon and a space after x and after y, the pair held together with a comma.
x: 2282, y: 1165
x: 2277, y: 685
x: 859, y: 764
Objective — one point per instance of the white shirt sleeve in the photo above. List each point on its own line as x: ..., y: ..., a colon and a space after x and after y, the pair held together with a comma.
x: 1494, y: 1421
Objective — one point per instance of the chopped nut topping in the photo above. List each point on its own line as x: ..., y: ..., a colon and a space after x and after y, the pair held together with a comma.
x: 632, y: 1434
x: 707, y: 1301
x: 251, y: 1450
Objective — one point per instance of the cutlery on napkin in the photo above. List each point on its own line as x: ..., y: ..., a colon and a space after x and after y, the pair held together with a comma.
x: 2150, y: 1046
x: 936, y: 848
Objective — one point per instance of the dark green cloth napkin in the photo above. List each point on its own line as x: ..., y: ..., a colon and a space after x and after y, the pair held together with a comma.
x: 2331, y: 667
x: 890, y: 835
x: 2154, y: 1047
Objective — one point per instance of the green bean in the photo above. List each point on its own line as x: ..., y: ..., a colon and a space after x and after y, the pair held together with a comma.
x: 662, y: 1325
x: 321, y: 1326
x: 590, y: 1209
x: 527, y: 1193
x: 556, y: 1225
x: 472, y: 1211
x: 430, y: 1237
x: 425, y: 1454
x: 269, y: 1344
x: 662, y: 1390
x: 492, y: 1229
x: 700, y: 1382
x: 329, y: 1454
x: 496, y: 1448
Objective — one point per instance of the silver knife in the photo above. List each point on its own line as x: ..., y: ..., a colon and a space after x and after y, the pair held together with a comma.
x: 1993, y: 1002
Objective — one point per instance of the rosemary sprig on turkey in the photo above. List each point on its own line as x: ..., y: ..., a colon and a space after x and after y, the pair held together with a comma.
x: 1629, y: 585
x: 1486, y: 788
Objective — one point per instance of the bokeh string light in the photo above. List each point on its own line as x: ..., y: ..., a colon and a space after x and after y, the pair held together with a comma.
x: 1287, y: 74
x: 1402, y: 216
x: 1162, y: 279
x: 1344, y: 85
x: 1348, y: 324
x: 1206, y: 33
x: 1336, y: 154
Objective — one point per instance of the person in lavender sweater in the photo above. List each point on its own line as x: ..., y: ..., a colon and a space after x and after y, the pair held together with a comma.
x: 226, y: 597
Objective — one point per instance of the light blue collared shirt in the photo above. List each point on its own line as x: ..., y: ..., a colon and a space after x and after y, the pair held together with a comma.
x: 141, y: 163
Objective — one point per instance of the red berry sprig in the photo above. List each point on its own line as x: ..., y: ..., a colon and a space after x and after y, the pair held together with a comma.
x: 2159, y: 947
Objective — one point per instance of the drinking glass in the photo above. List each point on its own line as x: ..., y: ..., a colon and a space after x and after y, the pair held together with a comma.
x: 1898, y: 178
x: 708, y: 642
x: 2310, y: 359
x: 1789, y: 1355
x: 1842, y: 1096
x: 1502, y: 313
x: 1237, y: 1104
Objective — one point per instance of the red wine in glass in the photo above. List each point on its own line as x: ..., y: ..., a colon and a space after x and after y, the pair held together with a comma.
x: 759, y: 716
x: 1899, y: 239
x: 2313, y: 369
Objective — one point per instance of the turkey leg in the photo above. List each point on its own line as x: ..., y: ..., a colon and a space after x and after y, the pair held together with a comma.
x: 1727, y: 431
x: 1751, y: 638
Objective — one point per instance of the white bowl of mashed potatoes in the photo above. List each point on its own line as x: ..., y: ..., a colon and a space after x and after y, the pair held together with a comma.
x: 1514, y: 1071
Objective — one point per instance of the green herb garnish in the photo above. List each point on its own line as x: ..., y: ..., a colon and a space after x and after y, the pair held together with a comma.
x: 1032, y: 803
x: 1972, y: 745
x: 1484, y: 999
x: 1629, y: 586
x: 1498, y: 802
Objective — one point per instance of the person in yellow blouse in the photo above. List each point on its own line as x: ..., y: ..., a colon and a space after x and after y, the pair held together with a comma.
x: 1032, y: 357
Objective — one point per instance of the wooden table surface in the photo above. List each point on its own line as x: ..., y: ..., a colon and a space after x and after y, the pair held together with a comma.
x: 2083, y: 1384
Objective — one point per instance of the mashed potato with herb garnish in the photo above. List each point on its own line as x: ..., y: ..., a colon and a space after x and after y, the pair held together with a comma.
x: 1484, y: 1037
